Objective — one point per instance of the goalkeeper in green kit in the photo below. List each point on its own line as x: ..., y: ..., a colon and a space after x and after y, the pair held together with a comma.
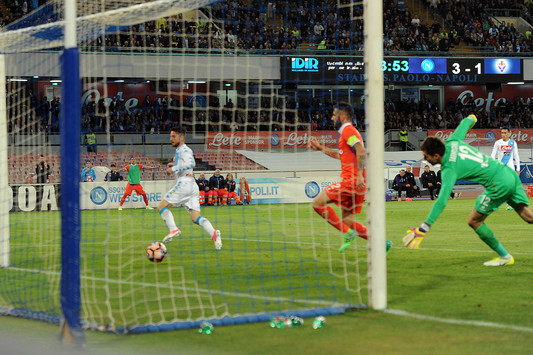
x: 460, y: 161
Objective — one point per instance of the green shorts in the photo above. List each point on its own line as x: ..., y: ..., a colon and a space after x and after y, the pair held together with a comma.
x: 505, y: 187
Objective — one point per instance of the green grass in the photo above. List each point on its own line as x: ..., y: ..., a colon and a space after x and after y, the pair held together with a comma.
x: 444, y: 281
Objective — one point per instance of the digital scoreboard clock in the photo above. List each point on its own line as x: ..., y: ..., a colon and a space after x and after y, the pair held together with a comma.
x: 403, y: 70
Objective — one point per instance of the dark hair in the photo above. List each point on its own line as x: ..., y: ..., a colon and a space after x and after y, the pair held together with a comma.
x: 507, y: 128
x: 346, y: 108
x: 177, y: 129
x: 433, y: 145
x: 113, y: 164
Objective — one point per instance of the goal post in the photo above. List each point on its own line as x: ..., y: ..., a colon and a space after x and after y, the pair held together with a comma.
x: 86, y: 266
x: 70, y: 183
x: 5, y: 191
x: 374, y: 92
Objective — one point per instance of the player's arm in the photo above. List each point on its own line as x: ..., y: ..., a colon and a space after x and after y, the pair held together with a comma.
x: 314, y: 144
x: 415, y: 235
x: 360, y: 152
x: 466, y: 124
x: 494, y: 150
x: 516, y: 158
x: 184, y: 164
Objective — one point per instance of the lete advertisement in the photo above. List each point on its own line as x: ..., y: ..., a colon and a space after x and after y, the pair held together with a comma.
x: 484, y: 99
x: 478, y: 137
x: 269, y: 140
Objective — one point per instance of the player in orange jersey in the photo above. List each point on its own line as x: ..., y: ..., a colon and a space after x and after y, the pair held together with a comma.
x: 350, y: 192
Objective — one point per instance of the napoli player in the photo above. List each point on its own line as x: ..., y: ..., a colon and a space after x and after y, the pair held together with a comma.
x: 505, y: 150
x: 185, y: 193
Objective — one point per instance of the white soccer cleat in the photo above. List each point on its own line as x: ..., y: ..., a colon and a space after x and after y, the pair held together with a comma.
x: 171, y: 235
x: 500, y: 261
x: 120, y: 208
x: 149, y: 208
x: 217, y: 240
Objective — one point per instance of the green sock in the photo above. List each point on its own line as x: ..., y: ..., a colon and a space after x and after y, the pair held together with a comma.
x: 488, y: 237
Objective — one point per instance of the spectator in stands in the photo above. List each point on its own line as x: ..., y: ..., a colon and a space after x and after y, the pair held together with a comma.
x: 90, y: 141
x: 401, y: 183
x: 411, y: 178
x: 42, y: 171
x: 113, y: 174
x: 217, y: 186
x: 429, y: 181
x: 203, y: 186
x: 88, y: 174
x: 404, y: 137
x: 230, y: 188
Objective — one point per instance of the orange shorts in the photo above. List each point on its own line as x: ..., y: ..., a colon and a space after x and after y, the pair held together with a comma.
x: 346, y: 195
x: 137, y: 188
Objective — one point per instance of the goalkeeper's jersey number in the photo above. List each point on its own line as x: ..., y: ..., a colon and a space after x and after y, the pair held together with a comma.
x: 466, y: 152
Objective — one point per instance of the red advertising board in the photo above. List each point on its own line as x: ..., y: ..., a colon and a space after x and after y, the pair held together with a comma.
x: 486, y: 136
x: 133, y: 94
x: 268, y: 140
x: 485, y: 99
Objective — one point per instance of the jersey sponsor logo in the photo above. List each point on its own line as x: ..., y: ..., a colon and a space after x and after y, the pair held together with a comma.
x: 506, y: 148
x: 312, y: 189
x: 98, y: 195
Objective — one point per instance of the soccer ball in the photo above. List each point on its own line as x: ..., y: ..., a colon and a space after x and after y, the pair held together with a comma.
x: 156, y: 252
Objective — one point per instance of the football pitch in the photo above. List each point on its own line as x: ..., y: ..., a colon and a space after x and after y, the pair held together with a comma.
x: 441, y: 298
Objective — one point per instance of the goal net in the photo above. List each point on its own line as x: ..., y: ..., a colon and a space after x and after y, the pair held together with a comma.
x: 145, y: 67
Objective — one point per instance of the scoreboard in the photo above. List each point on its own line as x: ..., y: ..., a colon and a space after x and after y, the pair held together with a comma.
x: 402, y: 70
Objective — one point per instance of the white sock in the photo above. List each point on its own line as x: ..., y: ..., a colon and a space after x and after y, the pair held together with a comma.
x: 169, y: 219
x: 206, y: 225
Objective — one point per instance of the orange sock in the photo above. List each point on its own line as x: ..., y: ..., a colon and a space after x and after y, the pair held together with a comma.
x: 360, y: 229
x: 329, y: 215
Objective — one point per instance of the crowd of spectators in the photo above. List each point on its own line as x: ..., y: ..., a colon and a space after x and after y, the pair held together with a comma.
x: 277, y: 26
x: 29, y: 115
x: 471, y: 22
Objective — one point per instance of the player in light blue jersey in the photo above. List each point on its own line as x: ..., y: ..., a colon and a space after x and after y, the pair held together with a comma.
x: 506, y: 151
x: 185, y: 193
x: 460, y: 161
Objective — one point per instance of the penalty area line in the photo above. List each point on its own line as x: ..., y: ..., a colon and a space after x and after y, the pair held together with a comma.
x: 402, y: 313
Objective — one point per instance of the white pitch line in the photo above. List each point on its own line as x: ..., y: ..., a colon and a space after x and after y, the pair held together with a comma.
x: 190, y: 289
x: 402, y: 313
x: 316, y: 244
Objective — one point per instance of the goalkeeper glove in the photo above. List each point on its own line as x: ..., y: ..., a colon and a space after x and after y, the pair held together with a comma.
x: 415, y: 235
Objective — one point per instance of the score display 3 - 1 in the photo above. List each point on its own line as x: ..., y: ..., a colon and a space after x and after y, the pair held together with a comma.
x: 402, y: 70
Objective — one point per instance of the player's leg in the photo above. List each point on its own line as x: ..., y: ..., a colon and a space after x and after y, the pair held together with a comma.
x: 192, y: 205
x: 486, y: 203
x: 140, y: 192
x: 519, y: 201
x: 203, y: 222
x: 168, y: 217
x: 351, y: 207
x: 127, y: 193
x: 320, y: 205
x: 525, y: 212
